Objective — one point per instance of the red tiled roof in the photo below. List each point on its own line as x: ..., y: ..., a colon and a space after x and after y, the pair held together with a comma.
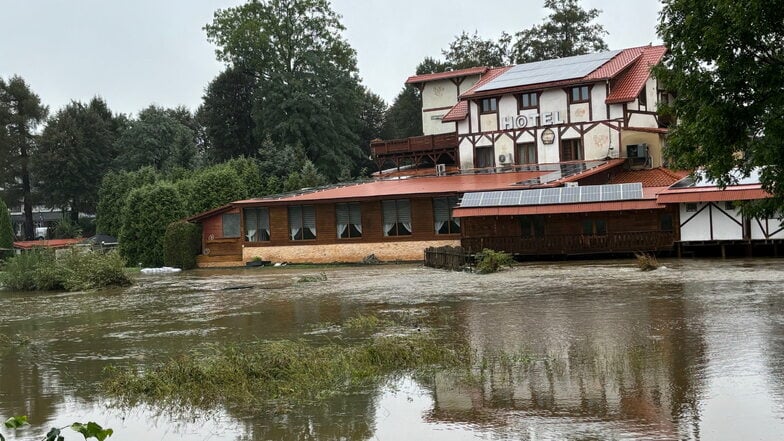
x: 629, y: 84
x: 616, y: 64
x: 656, y: 177
x: 446, y: 75
x: 713, y: 194
x: 460, y: 110
x: 405, y: 187
x: 53, y: 243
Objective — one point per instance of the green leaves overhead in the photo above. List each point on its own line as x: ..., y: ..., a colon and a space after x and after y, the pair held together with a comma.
x: 92, y: 430
x: 16, y: 422
x: 725, y: 67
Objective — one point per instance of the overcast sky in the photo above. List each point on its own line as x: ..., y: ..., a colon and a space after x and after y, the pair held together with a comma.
x: 135, y: 53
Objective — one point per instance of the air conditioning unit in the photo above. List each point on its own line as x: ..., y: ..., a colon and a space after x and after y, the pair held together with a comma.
x: 440, y: 169
x: 571, y: 184
x: 502, y: 159
x: 637, y: 154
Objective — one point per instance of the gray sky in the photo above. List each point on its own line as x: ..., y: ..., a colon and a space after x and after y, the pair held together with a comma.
x: 135, y: 53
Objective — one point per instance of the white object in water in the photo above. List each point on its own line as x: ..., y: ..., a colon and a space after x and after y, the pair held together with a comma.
x: 160, y: 270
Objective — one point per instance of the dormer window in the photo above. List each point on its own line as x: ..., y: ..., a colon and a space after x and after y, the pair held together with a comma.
x: 529, y: 100
x: 580, y: 94
x: 489, y: 105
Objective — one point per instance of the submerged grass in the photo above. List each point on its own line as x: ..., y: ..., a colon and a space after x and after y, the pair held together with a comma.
x: 252, y: 374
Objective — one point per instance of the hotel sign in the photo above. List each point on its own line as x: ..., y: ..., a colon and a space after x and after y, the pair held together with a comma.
x: 531, y: 120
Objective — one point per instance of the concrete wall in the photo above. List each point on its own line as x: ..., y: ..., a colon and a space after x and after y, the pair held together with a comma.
x: 345, y: 252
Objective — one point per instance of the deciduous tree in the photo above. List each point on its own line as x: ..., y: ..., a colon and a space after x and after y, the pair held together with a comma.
x: 567, y: 31
x: 159, y: 138
x: 726, y: 68
x: 21, y: 112
x: 472, y: 50
x: 308, y: 90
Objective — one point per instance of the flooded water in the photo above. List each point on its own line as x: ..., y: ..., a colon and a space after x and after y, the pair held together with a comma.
x: 692, y: 351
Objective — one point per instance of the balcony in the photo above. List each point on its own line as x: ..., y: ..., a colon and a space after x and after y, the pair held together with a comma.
x: 416, y: 149
x: 626, y: 242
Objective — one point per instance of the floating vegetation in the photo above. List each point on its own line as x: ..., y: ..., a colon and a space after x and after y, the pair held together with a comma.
x: 646, y: 262
x: 321, y: 277
x: 253, y: 374
x: 491, y: 261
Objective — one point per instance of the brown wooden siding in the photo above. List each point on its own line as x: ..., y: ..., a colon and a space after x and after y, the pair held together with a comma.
x: 213, y: 243
x: 638, y: 230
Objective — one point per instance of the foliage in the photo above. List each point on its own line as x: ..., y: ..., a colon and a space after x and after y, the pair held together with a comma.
x: 372, y: 114
x: 253, y: 374
x: 88, y: 430
x: 321, y: 277
x: 114, y: 189
x: 725, y: 67
x: 404, y: 116
x: 181, y: 245
x: 76, y: 270
x: 6, y: 228
x: 67, y: 229
x: 76, y: 149
x: 567, y: 31
x: 21, y: 112
x: 158, y: 137
x: 471, y: 50
x: 227, y: 115
x: 308, y: 90
x: 646, y: 262
x: 212, y: 188
x: 148, y: 211
x: 306, y: 177
x: 491, y: 261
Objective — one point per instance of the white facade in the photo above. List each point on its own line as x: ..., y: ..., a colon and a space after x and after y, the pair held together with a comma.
x: 722, y: 221
x: 438, y: 97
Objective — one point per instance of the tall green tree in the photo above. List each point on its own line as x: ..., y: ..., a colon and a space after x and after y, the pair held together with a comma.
x: 227, y: 116
x: 308, y: 90
x: 6, y: 229
x: 404, y: 116
x: 76, y: 149
x: 568, y: 30
x: 21, y: 112
x: 472, y: 50
x: 725, y: 67
x: 112, y: 194
x: 160, y: 138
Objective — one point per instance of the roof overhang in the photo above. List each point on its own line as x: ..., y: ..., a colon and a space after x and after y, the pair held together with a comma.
x: 713, y: 194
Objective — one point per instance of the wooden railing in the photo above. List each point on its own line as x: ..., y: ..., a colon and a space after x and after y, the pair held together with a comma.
x: 574, y: 244
x: 414, y: 144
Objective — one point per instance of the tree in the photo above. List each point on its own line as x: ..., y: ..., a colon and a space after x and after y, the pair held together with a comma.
x: 471, y: 51
x: 227, y: 115
x: 159, y: 138
x: 404, y: 116
x: 21, y: 112
x: 75, y: 150
x: 113, y: 193
x: 308, y: 90
x: 372, y: 116
x: 567, y: 31
x: 6, y: 229
x: 148, y: 211
x: 725, y: 68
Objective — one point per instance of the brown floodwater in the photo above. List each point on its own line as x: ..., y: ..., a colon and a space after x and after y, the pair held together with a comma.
x: 692, y: 351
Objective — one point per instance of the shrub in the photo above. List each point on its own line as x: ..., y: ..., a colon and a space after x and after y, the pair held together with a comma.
x: 148, y: 211
x: 67, y: 229
x: 112, y: 194
x: 213, y: 188
x: 6, y: 230
x: 181, y: 245
x: 490, y: 261
x: 76, y: 270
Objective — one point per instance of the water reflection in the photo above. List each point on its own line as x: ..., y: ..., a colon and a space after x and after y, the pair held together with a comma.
x: 599, y: 351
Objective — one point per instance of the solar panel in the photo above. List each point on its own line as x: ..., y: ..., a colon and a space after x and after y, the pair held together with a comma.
x: 631, y: 191
x: 590, y: 193
x: 491, y: 198
x: 549, y: 70
x: 550, y: 196
x: 556, y: 195
x: 471, y: 200
x: 529, y: 197
x: 570, y: 194
x: 511, y: 197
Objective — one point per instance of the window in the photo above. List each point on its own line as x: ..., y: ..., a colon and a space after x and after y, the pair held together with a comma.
x: 484, y: 157
x: 397, y: 217
x: 594, y: 227
x: 532, y: 226
x: 489, y: 105
x: 691, y: 207
x: 529, y: 100
x: 642, y: 99
x: 257, y: 228
x: 580, y: 94
x: 571, y: 150
x: 665, y: 222
x: 349, y: 220
x: 729, y: 205
x: 231, y: 225
x: 526, y: 153
x: 442, y: 213
x: 302, y: 222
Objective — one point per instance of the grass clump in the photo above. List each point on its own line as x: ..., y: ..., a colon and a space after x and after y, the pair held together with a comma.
x: 365, y: 324
x: 491, y: 261
x: 646, y: 262
x: 320, y: 277
x: 72, y: 270
x: 253, y: 374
